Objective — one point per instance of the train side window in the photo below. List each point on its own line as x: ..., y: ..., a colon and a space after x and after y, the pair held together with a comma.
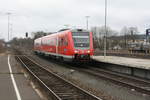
x: 65, y: 42
x: 62, y: 42
x: 59, y: 42
x: 37, y: 44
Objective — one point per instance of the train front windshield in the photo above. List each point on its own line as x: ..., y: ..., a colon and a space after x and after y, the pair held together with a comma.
x: 81, y: 40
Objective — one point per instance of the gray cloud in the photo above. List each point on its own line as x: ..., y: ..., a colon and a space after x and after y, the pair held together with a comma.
x: 51, y: 15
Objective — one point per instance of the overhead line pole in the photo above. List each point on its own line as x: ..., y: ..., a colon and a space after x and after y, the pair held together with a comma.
x: 8, y: 22
x: 105, y: 35
x: 11, y: 30
x: 87, y: 22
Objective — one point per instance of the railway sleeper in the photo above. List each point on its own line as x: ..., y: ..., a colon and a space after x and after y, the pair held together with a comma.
x: 63, y: 91
x: 58, y: 84
x: 73, y: 97
x: 68, y: 94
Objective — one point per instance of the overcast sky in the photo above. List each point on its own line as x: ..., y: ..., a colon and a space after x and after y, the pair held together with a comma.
x: 52, y: 15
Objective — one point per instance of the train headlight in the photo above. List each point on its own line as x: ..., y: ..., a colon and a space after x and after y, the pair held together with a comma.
x: 75, y: 51
x: 88, y: 51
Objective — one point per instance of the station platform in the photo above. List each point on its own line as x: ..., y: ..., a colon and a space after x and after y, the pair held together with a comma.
x: 125, y: 61
x: 13, y: 84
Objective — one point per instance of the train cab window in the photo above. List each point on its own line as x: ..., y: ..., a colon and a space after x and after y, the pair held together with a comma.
x: 81, y: 39
x: 80, y: 33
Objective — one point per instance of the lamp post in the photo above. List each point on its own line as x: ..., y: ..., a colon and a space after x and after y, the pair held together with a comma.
x: 105, y: 35
x: 87, y: 22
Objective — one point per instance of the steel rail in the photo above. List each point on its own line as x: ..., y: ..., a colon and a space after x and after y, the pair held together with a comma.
x: 112, y: 77
x: 76, y: 93
x: 54, y: 96
x: 120, y: 81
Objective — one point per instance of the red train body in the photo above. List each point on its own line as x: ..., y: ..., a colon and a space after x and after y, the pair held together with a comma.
x: 69, y: 45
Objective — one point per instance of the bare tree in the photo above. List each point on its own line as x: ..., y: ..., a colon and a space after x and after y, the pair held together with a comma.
x: 98, y: 34
x: 38, y: 34
x: 124, y: 32
x: 22, y: 43
x: 129, y: 34
x: 2, y: 45
x: 133, y: 31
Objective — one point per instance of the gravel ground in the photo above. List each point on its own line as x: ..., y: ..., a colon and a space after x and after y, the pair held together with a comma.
x: 101, y: 87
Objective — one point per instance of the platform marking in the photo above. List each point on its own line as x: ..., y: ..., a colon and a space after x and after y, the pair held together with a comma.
x: 13, y: 81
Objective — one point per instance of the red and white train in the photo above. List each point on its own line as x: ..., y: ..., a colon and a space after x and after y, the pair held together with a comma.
x: 72, y: 44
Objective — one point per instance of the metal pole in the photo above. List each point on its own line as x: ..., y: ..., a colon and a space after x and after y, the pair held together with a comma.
x: 87, y: 22
x: 8, y: 26
x: 11, y: 31
x: 105, y: 35
x: 8, y: 23
x: 125, y: 40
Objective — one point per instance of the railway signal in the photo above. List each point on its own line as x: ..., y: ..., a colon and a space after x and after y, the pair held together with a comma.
x: 147, y: 35
x: 147, y: 32
x: 26, y: 34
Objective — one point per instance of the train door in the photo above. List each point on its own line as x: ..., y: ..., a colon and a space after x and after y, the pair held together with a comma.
x: 63, y: 43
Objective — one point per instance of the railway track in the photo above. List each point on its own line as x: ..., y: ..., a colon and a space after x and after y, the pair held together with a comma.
x: 56, y: 87
x: 136, y: 84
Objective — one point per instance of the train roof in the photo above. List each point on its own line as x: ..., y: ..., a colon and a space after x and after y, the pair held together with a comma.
x: 74, y: 30
x: 79, y: 30
x: 62, y: 30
